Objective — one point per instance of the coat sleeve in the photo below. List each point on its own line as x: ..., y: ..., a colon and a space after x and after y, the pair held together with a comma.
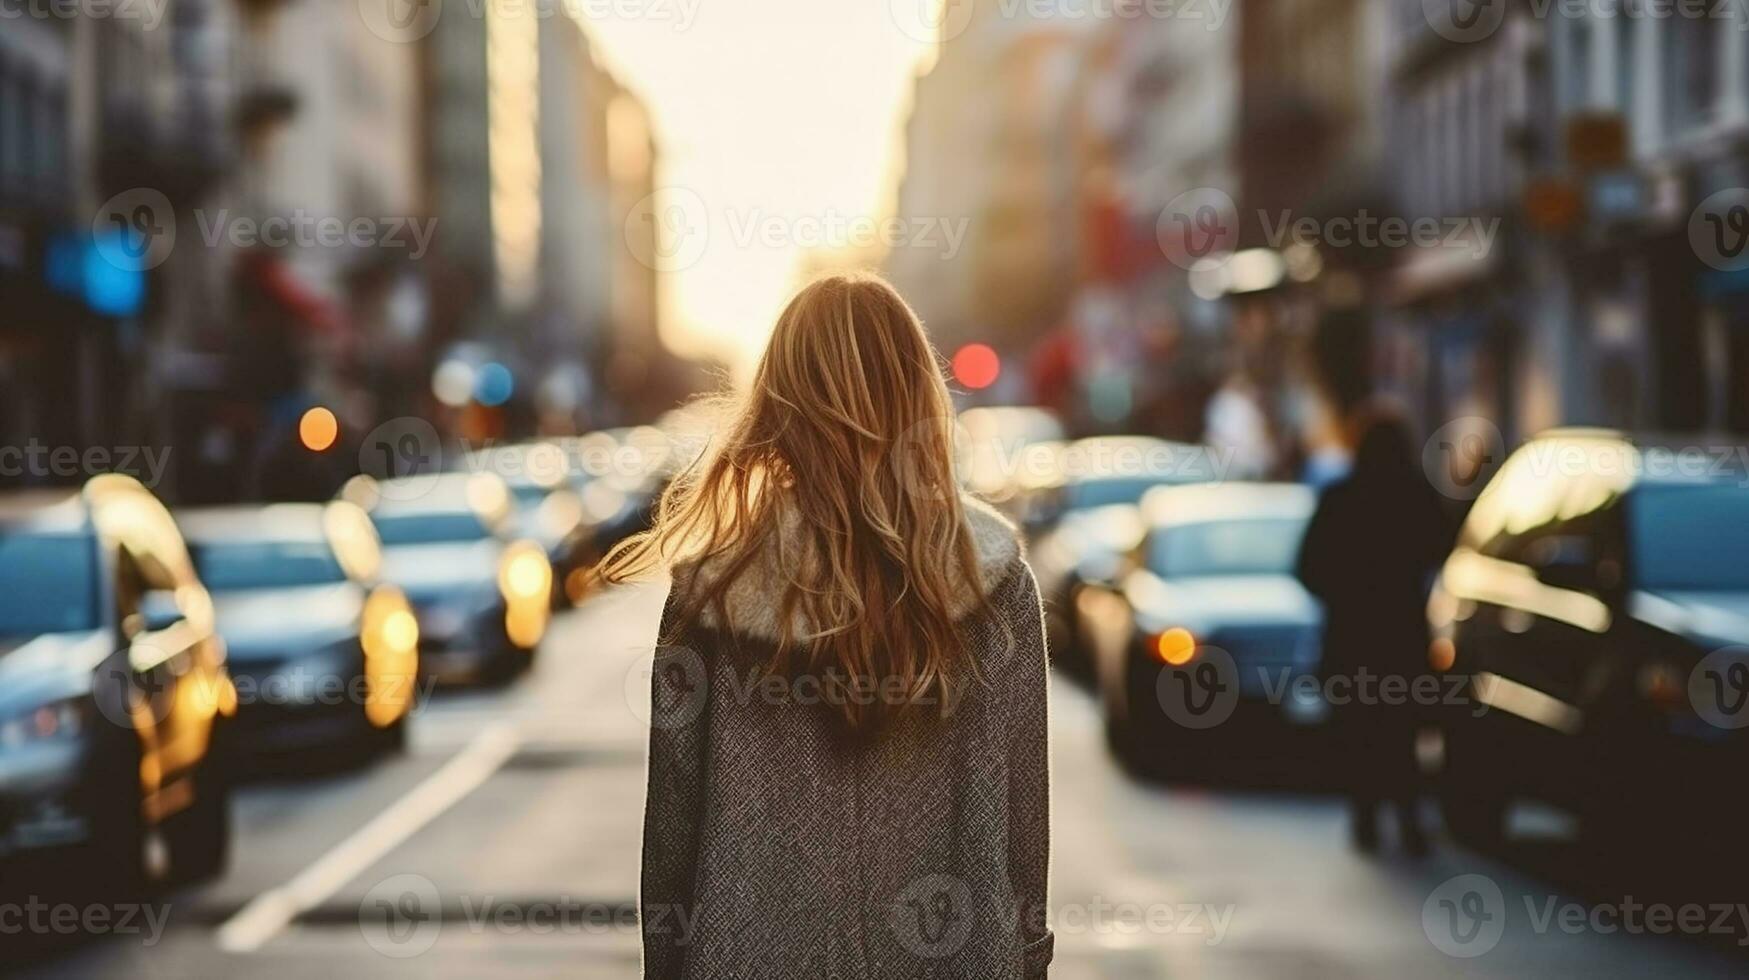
x: 673, y: 806
x: 1029, y: 774
x: 1317, y: 549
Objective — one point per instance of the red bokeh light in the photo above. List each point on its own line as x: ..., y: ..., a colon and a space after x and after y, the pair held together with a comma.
x: 976, y: 366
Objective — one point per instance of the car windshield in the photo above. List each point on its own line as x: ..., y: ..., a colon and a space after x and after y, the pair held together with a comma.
x: 1088, y: 494
x: 236, y: 565
x: 1264, y: 546
x: 430, y: 528
x: 1690, y: 537
x: 48, y: 583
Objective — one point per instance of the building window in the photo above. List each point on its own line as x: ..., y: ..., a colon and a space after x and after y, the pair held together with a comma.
x: 1692, y: 52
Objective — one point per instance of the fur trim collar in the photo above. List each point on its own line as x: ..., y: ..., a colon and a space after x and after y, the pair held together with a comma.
x: 752, y: 599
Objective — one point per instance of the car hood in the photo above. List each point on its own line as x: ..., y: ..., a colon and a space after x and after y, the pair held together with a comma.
x: 432, y: 572
x: 1205, y: 604
x: 1709, y: 618
x: 259, y: 623
x: 38, y: 669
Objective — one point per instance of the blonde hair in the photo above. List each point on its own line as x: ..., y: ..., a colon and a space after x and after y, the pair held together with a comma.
x: 844, y: 437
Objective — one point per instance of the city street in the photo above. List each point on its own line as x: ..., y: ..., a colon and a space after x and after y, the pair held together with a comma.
x: 517, y: 814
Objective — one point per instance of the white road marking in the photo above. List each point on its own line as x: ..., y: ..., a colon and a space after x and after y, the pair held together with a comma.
x: 269, y: 913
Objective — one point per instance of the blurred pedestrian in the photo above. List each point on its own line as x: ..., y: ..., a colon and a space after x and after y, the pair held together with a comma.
x: 848, y: 743
x: 1369, y: 554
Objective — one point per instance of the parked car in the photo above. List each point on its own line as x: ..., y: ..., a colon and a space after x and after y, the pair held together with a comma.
x: 482, y: 597
x: 1597, y: 605
x: 1083, y: 519
x: 323, y: 654
x: 1210, y: 612
x: 113, y: 691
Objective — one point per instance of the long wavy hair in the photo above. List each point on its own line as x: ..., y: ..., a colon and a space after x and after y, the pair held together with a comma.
x: 842, y: 447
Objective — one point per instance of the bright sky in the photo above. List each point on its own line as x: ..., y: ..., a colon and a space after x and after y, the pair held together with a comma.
x: 764, y: 109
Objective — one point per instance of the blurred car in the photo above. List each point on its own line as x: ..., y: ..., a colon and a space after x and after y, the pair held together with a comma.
x: 1083, y: 519
x: 321, y: 652
x: 1211, y: 595
x: 1596, y: 605
x: 546, y: 493
x: 625, y: 472
x: 113, y: 691
x: 1004, y: 448
x: 482, y: 598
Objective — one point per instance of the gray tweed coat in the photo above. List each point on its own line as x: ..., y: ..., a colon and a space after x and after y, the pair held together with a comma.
x: 774, y: 848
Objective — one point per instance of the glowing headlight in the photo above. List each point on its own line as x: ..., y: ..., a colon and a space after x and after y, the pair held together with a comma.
x: 525, y: 573
x: 59, y: 720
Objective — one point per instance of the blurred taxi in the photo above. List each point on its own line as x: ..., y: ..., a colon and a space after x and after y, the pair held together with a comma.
x: 320, y: 651
x: 1210, y: 594
x: 1596, y: 604
x: 113, y: 690
x: 482, y: 597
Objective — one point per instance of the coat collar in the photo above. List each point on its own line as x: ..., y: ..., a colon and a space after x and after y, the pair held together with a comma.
x: 752, y: 598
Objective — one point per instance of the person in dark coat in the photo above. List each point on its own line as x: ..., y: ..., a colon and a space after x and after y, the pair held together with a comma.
x: 1369, y: 554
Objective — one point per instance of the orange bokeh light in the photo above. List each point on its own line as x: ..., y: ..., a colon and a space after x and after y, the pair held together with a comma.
x: 318, y: 429
x: 1176, y: 646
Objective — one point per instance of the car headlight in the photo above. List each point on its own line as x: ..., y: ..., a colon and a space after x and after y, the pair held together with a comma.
x: 58, y: 720
x: 525, y: 573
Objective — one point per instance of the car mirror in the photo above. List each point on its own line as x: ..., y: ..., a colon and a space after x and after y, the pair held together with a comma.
x: 159, y: 611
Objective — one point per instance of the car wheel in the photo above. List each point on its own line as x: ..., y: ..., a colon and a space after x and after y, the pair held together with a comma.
x: 391, y: 740
x: 200, y: 837
x: 1473, y: 801
x: 116, y: 855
